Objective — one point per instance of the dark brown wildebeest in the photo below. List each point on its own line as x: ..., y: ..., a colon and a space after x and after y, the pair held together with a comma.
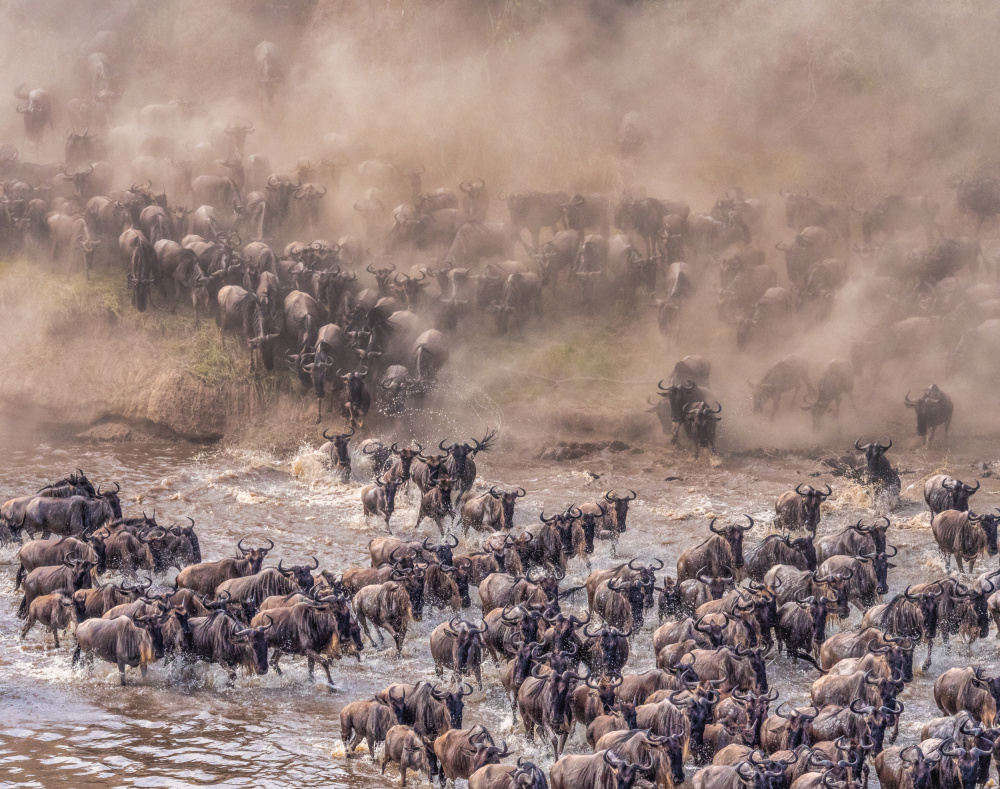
x: 366, y: 720
x: 388, y: 607
x: 810, y: 247
x: 380, y: 499
x: 205, y: 577
x: 76, y: 515
x: 124, y: 641
x: 460, y: 463
x: 50, y: 553
x: 740, y: 295
x: 672, y: 408
x: 965, y: 535
x: 71, y: 575
x: 801, y: 626
x: 588, y: 211
x: 436, y: 504
x: 934, y: 409
x: 340, y: 457
x: 461, y: 752
x: 700, y: 425
x: 458, y: 645
x: 968, y: 689
x: 800, y: 508
x: 139, y: 258
x: 643, y: 216
x: 602, y: 770
x: 94, y: 603
x: 493, y: 511
x: 780, y: 549
x: 53, y: 611
x: 945, y: 259
x: 410, y: 751
x: 305, y: 628
x: 251, y: 590
x: 787, y: 375
x: 979, y: 196
x: 218, y: 638
x: 558, y: 254
x: 241, y: 311
x: 942, y: 492
x: 719, y: 554
x: 543, y: 701
x: 853, y: 540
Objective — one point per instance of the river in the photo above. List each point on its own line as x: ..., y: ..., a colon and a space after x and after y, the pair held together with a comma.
x: 182, y: 727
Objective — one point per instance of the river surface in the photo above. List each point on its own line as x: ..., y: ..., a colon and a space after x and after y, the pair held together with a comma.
x: 182, y: 727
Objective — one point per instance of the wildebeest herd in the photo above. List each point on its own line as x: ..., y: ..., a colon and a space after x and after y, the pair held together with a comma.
x: 172, y: 196
x: 733, y: 607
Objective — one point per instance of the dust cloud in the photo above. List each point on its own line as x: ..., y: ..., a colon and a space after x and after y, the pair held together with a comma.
x: 851, y: 99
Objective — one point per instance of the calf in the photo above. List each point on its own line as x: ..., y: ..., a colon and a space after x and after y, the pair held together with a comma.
x: 53, y: 611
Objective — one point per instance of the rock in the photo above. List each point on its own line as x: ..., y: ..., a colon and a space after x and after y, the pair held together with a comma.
x: 109, y: 431
x: 185, y: 406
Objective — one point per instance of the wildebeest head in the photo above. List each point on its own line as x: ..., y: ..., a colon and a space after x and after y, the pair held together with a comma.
x: 733, y: 534
x: 406, y: 457
x: 988, y: 523
x: 339, y: 456
x: 255, y: 639
x: 755, y: 658
x: 111, y: 497
x: 717, y: 585
x: 254, y: 555
x: 468, y: 643
x: 960, y: 493
x: 634, y: 591
x: 798, y: 725
x: 404, y: 716
x: 459, y: 573
x: 548, y: 583
x: 621, y: 506
x: 646, y: 578
x: 614, y: 649
x: 881, y: 564
x: 605, y: 686
x: 507, y: 500
x: 443, y: 552
x: 81, y: 568
x: 811, y: 501
x: 301, y: 574
x: 714, y: 629
x: 874, y: 453
x: 626, y: 773
x: 928, y: 604
x: 966, y: 761
x: 818, y: 608
x: 978, y: 599
x: 698, y: 703
x: 153, y: 624
x: 389, y: 488
x: 412, y: 579
x: 927, y: 408
x: 453, y: 701
x: 898, y: 651
x: 563, y: 524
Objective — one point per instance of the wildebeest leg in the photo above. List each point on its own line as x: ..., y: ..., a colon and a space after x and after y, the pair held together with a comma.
x: 958, y: 561
x: 55, y: 635
x: 77, y: 656
x: 930, y: 645
x: 30, y: 623
x: 275, y: 657
x: 363, y: 621
x: 121, y: 671
x: 315, y: 656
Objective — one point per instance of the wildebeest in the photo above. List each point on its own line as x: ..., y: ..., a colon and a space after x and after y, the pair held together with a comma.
x: 720, y: 553
x: 220, y: 639
x: 968, y: 689
x: 388, y: 607
x: 788, y: 374
x: 769, y: 315
x: 205, y: 577
x: 380, y: 499
x: 942, y: 492
x: 934, y: 409
x: 679, y: 289
x: 671, y: 410
x: 544, y: 702
x: 836, y: 380
x: 800, y: 508
x: 965, y: 535
x: 36, y: 112
x: 366, y: 720
x: 241, y: 310
x: 780, y: 549
x: 49, y: 553
x: 53, y: 611
x: 853, y: 540
x: 408, y: 750
x: 700, y: 425
x: 492, y: 511
x: 124, y: 641
x: 458, y: 645
x: 71, y: 575
x: 305, y: 628
x: 76, y: 515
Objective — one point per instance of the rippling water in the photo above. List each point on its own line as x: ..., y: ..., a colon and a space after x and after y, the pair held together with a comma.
x: 182, y: 727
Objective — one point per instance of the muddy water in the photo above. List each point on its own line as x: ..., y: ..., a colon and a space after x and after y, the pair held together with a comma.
x: 181, y: 726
